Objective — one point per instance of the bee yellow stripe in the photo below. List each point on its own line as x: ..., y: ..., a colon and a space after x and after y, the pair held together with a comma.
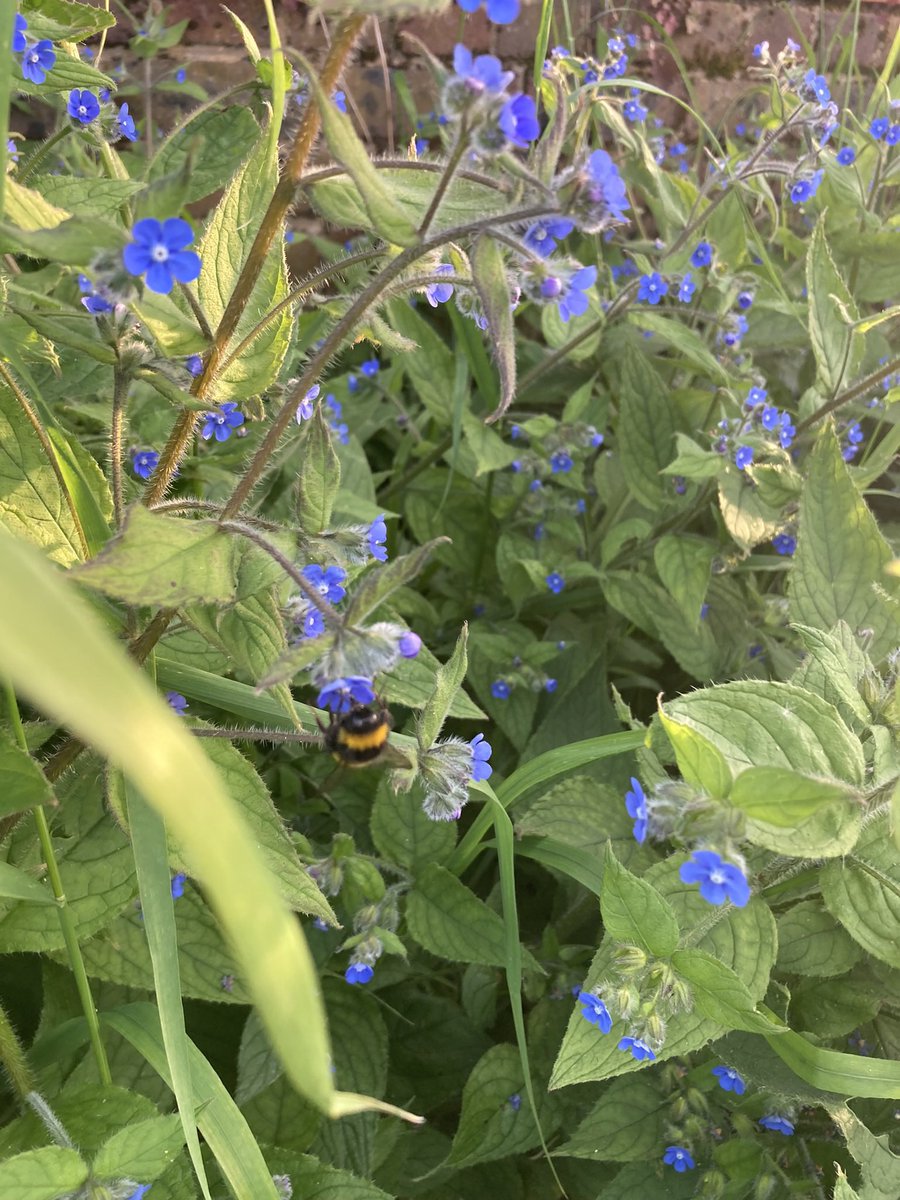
x: 364, y: 741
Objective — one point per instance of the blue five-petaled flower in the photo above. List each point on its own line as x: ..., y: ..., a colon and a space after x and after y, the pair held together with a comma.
x: 481, y: 752
x: 719, y: 880
x: 595, y: 1011
x: 639, y: 1049
x: 501, y: 12
x: 777, y: 1123
x: 38, y: 60
x: 222, y: 422
x: 729, y: 1080
x: 159, y: 252
x: 83, y: 106
x: 359, y: 973
x: 340, y: 695
x: 636, y: 804
x: 679, y: 1158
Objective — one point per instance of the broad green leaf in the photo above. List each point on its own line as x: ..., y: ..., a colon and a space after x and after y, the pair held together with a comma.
x: 747, y: 517
x: 863, y: 893
x: 833, y: 1008
x: 381, y: 582
x: 582, y: 813
x: 223, y: 1127
x: 634, y: 912
x: 65, y: 19
x: 429, y: 367
x: 217, y: 142
x: 142, y: 1151
x: 646, y: 427
x: 449, y: 920
x: 781, y: 797
x: 172, y: 561
x: 838, y: 349
x: 625, y: 1125
x: 33, y: 504
x: 75, y: 242
x: 30, y: 209
x: 838, y: 573
x: 811, y: 942
x: 223, y: 251
x: 581, y: 865
x: 719, y: 993
x: 316, y: 1180
x: 743, y: 940
x: 842, y: 1189
x: 489, y: 1128
x: 637, y: 1181
x: 683, y: 340
x: 492, y: 285
x: 320, y: 475
x: 833, y: 668
x: 386, y: 215
x: 86, y: 484
x: 692, y: 461
x: 22, y: 782
x: 447, y: 683
x: 44, y: 1174
x: 340, y: 201
x: 684, y: 564
x: 86, y: 197
x: 16, y: 885
x: 880, y: 1166
x: 762, y: 723
x: 699, y: 760
x: 57, y: 653
x: 403, y: 834
x: 490, y: 451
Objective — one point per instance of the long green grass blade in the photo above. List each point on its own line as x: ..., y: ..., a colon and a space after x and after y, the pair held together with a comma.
x: 832, y: 1071
x: 543, y: 40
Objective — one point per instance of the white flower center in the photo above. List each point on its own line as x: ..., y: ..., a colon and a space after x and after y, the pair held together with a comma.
x: 716, y: 876
x: 159, y: 253
x: 81, y: 110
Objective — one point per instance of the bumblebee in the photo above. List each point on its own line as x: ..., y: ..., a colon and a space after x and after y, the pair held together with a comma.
x: 358, y: 737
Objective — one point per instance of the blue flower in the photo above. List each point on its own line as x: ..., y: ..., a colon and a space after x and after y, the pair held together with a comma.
x: 777, y: 1124
x: 159, y: 251
x: 606, y: 186
x: 745, y: 300
x: 313, y: 623
x: 515, y: 1102
x: 561, y: 462
x: 595, y: 1011
x: 125, y: 124
x: 342, y: 694
x: 482, y: 74
x: 846, y: 156
x: 636, y: 804
x: 756, y: 395
x: 327, y: 581
x: 518, y: 120
x: 377, y: 536
x: 421, y: 146
x: 702, y: 255
x: 719, y: 880
x: 439, y: 293
x: 12, y: 150
x: 177, y: 703
x: 639, y: 1049
x: 818, y: 86
x: 729, y: 1080
x: 481, y: 752
x: 178, y: 882
x: 679, y: 1158
x: 550, y: 685
x: 139, y: 1192
x: 306, y: 407
x: 686, y: 288
x: 633, y: 110
x: 770, y: 417
x: 370, y: 368
x: 879, y: 128
x: 92, y: 299
x: 783, y: 543
x: 893, y: 135
x: 180, y: 75
x: 744, y: 457
x: 786, y: 431
x: 359, y: 973
x: 571, y: 298
x: 652, y: 288
x: 501, y: 12
x: 555, y: 582
x: 222, y: 422
x: 805, y: 189
x: 193, y: 364
x: 143, y: 462
x: 543, y: 236
x: 83, y: 106
x: 855, y: 434
x: 340, y: 100
x: 19, y: 41
x: 410, y: 644
x: 38, y: 60
x: 500, y: 689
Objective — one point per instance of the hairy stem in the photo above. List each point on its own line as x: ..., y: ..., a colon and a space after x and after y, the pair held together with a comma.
x: 117, y: 422
x: 310, y: 593
x: 13, y: 1059
x: 854, y: 392
x: 445, y: 180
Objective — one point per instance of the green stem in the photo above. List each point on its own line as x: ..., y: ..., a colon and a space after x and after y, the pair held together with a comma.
x: 117, y: 421
x: 444, y: 182
x: 34, y: 160
x: 13, y: 1058
x: 854, y: 392
x: 76, y: 962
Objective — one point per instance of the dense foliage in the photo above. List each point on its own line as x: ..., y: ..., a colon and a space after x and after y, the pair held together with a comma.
x: 574, y: 465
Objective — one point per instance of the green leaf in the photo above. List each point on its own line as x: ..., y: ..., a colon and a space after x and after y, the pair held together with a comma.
x: 488, y: 1127
x: 582, y: 813
x: 32, y: 502
x: 699, y: 761
x: 339, y: 200
x: 430, y: 366
x: 22, y: 782
x: 449, y: 920
x: 224, y: 249
x: 447, y: 683
x: 142, y: 1151
x: 16, y: 885
x: 404, y: 835
x: 842, y: 1189
x: 490, y: 451
x: 646, y: 427
x: 70, y: 21
x: 87, y: 486
x: 57, y: 653
x: 173, y: 561
x: 381, y: 582
x: 387, y: 217
x: 30, y: 209
x: 719, y: 993
x: 747, y: 517
x: 75, y: 242
x: 684, y: 564
x: 762, y: 723
x: 44, y: 1174
x: 833, y: 668
x: 216, y: 141
x: 781, y: 797
x: 492, y: 285
x: 831, y: 1071
x: 86, y: 197
x: 880, y: 1166
x: 837, y: 348
x: 838, y: 571
x: 320, y: 475
x: 692, y: 461
x: 625, y: 1125
x: 316, y: 1180
x: 683, y: 339
x: 634, y: 912
x: 811, y: 942
x: 863, y: 893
